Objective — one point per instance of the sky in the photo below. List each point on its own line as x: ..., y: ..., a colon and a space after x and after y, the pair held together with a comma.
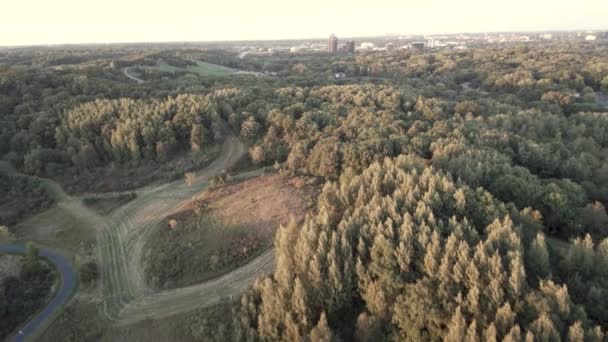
x: 29, y: 22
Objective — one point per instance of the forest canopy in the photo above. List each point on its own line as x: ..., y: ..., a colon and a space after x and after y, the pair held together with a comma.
x: 465, y: 190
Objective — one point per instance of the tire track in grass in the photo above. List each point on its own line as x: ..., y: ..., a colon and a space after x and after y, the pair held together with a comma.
x: 125, y: 238
x: 121, y: 237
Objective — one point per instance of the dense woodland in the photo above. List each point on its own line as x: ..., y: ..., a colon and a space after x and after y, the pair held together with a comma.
x: 21, y: 197
x: 466, y: 190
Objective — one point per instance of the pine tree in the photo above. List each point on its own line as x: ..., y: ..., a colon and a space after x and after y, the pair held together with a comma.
x: 530, y: 336
x: 300, y: 303
x: 292, y: 330
x: 321, y: 332
x: 457, y: 329
x: 285, y: 241
x: 471, y: 335
x: 383, y: 266
x: 544, y: 329
x: 490, y: 333
x: 538, y: 258
x: 517, y: 278
x: 596, y: 334
x: 505, y: 319
x: 580, y: 257
x: 367, y: 328
x: 432, y: 257
x: 576, y: 332
x: 514, y: 335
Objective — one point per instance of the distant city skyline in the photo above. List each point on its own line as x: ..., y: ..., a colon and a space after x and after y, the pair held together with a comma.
x: 38, y: 22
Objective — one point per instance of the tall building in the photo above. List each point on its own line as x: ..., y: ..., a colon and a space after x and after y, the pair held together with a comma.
x: 332, y: 44
x: 418, y: 45
x: 350, y: 46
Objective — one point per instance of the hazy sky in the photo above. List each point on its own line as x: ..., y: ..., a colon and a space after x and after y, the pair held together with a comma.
x: 80, y: 21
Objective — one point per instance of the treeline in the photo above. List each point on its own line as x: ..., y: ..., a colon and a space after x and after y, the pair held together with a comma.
x: 402, y: 252
x: 32, y: 100
x: 128, y: 131
x: 554, y: 163
x: 20, y: 197
x: 539, y: 67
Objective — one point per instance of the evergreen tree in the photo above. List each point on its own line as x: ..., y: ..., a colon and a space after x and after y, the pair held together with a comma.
x: 538, y: 258
x: 321, y: 332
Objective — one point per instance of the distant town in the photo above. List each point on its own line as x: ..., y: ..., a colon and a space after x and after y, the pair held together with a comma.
x: 389, y: 43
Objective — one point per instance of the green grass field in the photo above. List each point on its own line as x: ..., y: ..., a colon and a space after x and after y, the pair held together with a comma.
x: 197, y: 249
x: 201, y: 68
x: 59, y: 227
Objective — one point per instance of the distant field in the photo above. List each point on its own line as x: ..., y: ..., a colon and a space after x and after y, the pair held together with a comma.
x: 201, y: 68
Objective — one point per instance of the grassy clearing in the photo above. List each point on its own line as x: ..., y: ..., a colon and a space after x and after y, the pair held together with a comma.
x: 198, y: 248
x: 201, y: 68
x: 221, y: 230
x: 81, y: 321
x: 125, y: 295
x: 60, y: 228
x: 106, y: 205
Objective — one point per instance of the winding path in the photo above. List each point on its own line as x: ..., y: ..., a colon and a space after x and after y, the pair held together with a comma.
x: 125, y: 296
x: 126, y: 72
x: 61, y: 296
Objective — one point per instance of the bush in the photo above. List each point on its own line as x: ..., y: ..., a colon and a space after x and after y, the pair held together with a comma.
x: 89, y: 272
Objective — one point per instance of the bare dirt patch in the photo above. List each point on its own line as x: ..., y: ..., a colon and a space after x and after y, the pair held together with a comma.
x: 222, y: 229
x: 262, y: 203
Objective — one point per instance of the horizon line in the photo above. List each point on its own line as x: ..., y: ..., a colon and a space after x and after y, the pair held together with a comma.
x: 299, y: 39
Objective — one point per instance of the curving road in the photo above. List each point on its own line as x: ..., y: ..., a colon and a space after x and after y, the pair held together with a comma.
x: 68, y: 284
x: 126, y: 72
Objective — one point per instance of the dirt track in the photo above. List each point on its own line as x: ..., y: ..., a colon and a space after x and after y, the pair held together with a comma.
x: 125, y: 298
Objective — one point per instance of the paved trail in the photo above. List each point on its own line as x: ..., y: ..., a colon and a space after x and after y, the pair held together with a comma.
x: 68, y: 284
x: 126, y: 72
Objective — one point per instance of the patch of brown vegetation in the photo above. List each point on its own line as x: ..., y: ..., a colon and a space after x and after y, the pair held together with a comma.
x: 223, y: 229
x: 263, y: 203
